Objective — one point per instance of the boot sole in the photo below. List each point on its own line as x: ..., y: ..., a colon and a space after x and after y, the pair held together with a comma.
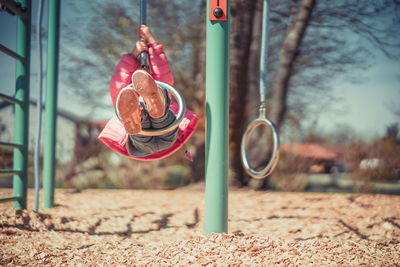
x: 129, y: 108
x: 144, y: 84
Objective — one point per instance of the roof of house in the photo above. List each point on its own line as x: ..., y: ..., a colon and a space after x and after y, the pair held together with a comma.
x: 314, y: 151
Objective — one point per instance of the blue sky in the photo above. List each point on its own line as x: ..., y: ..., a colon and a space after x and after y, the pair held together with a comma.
x: 365, y: 105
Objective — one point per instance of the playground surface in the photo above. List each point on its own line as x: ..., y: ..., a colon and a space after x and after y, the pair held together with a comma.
x: 166, y: 228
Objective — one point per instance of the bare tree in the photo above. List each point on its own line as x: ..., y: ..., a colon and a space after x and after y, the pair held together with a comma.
x: 242, y: 16
x: 289, y: 52
x: 99, y: 32
x: 91, y: 53
x: 199, y: 98
x: 324, y: 39
x: 310, y: 42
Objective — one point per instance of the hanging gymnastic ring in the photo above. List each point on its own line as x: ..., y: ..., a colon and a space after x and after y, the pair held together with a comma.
x: 275, y: 152
x: 179, y: 116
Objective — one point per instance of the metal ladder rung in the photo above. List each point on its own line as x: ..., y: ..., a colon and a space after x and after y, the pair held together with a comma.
x: 9, y: 172
x: 11, y: 53
x: 13, y: 145
x: 10, y: 99
x: 7, y: 199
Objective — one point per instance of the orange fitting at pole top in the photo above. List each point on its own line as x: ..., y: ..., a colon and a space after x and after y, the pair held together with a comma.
x: 218, y: 10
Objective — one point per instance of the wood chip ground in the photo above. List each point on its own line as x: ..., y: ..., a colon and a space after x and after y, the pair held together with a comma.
x: 166, y: 228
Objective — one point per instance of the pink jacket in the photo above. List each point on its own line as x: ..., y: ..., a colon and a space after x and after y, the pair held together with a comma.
x: 114, y: 134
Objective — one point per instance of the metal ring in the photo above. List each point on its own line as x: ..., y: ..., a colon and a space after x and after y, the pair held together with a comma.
x: 275, y: 152
x: 179, y: 116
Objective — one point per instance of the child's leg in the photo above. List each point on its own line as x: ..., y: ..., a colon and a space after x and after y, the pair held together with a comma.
x: 168, y: 117
x: 145, y: 85
x: 129, y: 110
x: 140, y: 145
x: 168, y: 139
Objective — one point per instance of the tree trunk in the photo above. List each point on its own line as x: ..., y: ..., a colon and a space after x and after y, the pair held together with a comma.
x: 287, y: 58
x: 253, y: 99
x: 198, y: 139
x: 242, y: 16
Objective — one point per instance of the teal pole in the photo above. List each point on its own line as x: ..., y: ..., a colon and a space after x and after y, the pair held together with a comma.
x: 21, y: 119
x: 217, y: 124
x: 51, y: 105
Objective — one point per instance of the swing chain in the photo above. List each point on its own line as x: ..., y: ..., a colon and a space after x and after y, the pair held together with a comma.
x: 262, y: 110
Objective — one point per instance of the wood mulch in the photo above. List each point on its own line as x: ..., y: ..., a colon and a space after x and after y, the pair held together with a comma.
x: 166, y: 228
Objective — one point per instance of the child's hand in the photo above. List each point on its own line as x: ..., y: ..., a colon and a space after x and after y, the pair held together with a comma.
x: 140, y: 46
x: 145, y: 34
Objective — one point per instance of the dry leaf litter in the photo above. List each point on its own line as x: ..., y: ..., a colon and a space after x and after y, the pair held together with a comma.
x: 166, y: 228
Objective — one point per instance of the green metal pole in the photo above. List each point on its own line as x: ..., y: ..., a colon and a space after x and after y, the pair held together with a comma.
x: 21, y: 119
x: 217, y: 124
x: 51, y: 105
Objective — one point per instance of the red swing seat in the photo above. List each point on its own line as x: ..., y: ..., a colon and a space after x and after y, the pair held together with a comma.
x: 115, y: 137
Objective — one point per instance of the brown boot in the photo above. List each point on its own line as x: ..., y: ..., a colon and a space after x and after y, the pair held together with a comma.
x: 153, y: 96
x: 130, y: 110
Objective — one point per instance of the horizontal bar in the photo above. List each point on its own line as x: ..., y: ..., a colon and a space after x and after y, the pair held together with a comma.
x: 11, y: 53
x: 13, y: 145
x: 10, y: 99
x: 9, y: 172
x: 15, y: 8
x: 7, y: 199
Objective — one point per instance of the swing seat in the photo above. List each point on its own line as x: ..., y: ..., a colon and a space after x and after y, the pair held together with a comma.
x: 115, y: 137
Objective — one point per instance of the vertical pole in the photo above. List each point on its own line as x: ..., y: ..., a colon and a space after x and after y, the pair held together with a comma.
x: 264, y: 53
x: 21, y: 119
x: 143, y: 57
x: 217, y: 124
x: 51, y: 105
x: 143, y: 12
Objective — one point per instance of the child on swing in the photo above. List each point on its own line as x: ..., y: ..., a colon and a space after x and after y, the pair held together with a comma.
x: 139, y: 103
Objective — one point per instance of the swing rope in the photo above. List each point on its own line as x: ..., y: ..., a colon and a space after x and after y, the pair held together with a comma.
x: 262, y: 120
x: 143, y: 57
x: 38, y: 106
